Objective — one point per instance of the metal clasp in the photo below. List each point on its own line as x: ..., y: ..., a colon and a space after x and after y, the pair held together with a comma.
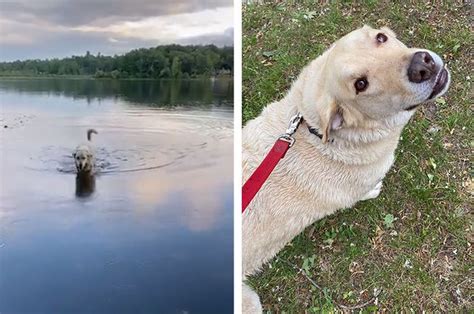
x: 294, y: 123
x: 287, y: 138
x: 292, y: 127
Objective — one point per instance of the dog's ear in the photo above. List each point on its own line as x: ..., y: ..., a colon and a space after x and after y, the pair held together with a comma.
x: 331, y: 119
x: 74, y: 155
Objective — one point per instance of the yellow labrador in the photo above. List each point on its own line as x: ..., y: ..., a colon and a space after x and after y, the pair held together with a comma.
x: 355, y: 100
x: 84, y: 157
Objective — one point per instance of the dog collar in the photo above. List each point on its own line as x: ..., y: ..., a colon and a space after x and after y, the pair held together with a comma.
x: 315, y: 131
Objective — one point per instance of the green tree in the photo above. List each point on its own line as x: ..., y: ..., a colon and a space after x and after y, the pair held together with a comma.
x: 176, y: 68
x: 171, y: 61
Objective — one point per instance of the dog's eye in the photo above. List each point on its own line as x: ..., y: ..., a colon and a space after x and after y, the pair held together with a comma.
x: 381, y: 38
x: 361, y: 84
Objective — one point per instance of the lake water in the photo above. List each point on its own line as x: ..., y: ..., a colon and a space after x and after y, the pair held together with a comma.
x: 153, y: 233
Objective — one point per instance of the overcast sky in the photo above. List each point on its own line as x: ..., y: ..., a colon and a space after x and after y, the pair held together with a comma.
x: 31, y: 29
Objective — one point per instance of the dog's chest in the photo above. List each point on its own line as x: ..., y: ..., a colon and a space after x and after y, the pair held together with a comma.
x: 321, y: 182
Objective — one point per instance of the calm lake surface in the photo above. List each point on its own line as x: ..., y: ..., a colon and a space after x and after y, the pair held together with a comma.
x: 153, y: 233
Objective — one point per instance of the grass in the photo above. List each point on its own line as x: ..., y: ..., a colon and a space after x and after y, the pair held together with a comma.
x: 412, y: 246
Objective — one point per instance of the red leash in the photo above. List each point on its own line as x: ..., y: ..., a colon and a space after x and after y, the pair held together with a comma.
x: 263, y: 171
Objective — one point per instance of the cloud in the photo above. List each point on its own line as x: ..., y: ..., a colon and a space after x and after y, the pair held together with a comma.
x: 168, y: 28
x: 74, y: 13
x: 53, y: 28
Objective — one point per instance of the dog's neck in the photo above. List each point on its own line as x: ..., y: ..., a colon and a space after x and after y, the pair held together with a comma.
x: 373, y: 130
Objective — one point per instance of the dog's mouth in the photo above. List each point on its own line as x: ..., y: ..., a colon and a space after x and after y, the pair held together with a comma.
x: 441, y: 81
x: 440, y: 86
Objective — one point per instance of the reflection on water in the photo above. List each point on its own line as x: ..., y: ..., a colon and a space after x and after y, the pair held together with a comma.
x: 85, y: 184
x: 151, y: 232
x: 153, y: 93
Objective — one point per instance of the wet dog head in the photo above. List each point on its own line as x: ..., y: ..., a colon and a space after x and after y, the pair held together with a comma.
x: 370, y: 75
x: 83, y: 159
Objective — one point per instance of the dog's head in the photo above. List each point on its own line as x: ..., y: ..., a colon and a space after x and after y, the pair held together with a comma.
x: 370, y: 75
x: 83, y: 159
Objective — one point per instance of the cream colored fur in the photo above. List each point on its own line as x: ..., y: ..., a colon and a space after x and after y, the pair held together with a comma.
x: 318, y: 177
x: 84, y: 156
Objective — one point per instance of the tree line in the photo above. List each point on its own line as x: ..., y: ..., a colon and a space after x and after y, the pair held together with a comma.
x: 171, y: 61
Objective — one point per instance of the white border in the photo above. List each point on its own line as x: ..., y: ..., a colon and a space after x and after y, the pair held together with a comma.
x: 237, y: 156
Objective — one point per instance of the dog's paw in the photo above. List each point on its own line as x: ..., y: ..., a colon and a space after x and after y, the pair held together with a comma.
x: 250, y: 301
x: 374, y: 192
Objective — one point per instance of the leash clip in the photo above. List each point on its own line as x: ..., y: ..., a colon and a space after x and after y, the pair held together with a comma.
x: 294, y: 124
x: 292, y: 127
x: 287, y: 138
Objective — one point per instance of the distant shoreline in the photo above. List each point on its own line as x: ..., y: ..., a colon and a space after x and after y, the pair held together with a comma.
x: 169, y: 61
x: 91, y: 77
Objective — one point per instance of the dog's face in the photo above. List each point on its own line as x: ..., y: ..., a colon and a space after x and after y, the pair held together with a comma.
x: 83, y: 160
x: 370, y: 74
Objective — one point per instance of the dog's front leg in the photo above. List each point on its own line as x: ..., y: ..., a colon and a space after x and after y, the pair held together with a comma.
x: 374, y: 192
x: 250, y: 301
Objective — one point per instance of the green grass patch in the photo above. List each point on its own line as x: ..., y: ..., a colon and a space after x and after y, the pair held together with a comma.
x: 412, y: 243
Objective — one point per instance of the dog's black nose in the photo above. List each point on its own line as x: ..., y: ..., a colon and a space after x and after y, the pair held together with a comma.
x: 422, y: 67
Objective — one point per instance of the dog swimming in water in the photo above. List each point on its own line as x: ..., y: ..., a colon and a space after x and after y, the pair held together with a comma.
x: 84, y: 156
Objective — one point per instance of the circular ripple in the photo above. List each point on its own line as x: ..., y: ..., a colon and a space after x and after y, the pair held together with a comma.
x: 59, y: 159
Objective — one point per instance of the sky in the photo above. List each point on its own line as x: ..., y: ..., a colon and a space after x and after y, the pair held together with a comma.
x: 59, y: 28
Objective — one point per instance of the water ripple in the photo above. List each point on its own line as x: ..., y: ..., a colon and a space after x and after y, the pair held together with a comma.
x: 113, y: 160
